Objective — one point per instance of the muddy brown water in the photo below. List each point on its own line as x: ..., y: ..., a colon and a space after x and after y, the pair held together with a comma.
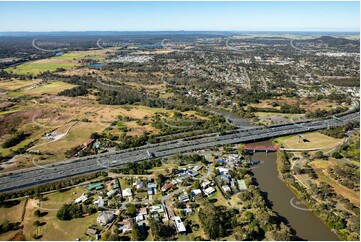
x: 304, y: 222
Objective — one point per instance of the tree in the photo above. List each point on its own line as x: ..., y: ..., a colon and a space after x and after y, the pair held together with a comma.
x: 135, y: 233
x: 37, y: 223
x: 37, y: 213
x: 131, y: 210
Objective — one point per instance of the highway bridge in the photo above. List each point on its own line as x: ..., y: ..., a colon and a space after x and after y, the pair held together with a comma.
x: 75, y: 167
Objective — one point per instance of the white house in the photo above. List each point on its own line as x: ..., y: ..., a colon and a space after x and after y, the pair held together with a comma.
x: 127, y: 192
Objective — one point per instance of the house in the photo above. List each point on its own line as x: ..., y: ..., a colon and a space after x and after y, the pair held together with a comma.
x: 89, y: 142
x: 197, y: 167
x: 152, y: 189
x: 226, y: 188
x: 105, y: 217
x: 142, y: 211
x: 179, y: 225
x: 82, y: 198
x: 166, y: 187
x: 127, y: 192
x: 209, y: 191
x: 111, y: 193
x: 116, y: 186
x: 222, y: 170
x: 196, y: 192
x: 91, y: 232
x: 139, y: 184
x: 101, y: 202
x: 96, y: 186
x: 241, y: 185
x: 157, y: 209
x: 187, y: 211
x: 192, y: 173
x: 226, y: 178
x: 139, y: 218
x: 205, y: 184
x: 183, y: 198
x: 126, y: 225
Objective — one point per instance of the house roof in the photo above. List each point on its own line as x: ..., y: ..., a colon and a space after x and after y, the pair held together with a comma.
x: 127, y: 192
x: 105, y: 217
x: 91, y: 231
x: 179, y: 224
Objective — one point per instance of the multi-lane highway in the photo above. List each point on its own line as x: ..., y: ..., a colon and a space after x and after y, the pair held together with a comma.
x: 39, y: 175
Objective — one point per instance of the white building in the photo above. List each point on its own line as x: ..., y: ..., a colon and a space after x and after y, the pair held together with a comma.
x: 209, y: 191
x: 82, y: 198
x: 179, y: 225
x: 127, y: 192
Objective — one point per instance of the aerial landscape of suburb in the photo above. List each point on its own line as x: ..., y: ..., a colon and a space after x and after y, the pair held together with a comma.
x: 179, y: 121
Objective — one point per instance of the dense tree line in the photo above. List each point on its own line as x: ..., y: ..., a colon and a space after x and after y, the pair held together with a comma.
x: 15, y: 139
x: 338, y: 132
x: 75, y: 91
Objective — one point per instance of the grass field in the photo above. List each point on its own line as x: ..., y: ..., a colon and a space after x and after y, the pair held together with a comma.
x: 66, y: 61
x: 316, y: 140
x: 49, y: 88
x: 15, y: 84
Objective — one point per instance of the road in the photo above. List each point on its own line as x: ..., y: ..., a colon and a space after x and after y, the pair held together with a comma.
x: 75, y: 167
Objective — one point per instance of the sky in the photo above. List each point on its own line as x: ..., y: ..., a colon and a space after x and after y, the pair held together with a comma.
x: 192, y: 16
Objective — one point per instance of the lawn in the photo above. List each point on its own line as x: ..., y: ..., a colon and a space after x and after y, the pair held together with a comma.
x: 11, y: 212
x: 315, y: 140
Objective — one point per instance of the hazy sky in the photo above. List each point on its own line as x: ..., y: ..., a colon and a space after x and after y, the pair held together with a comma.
x: 128, y: 16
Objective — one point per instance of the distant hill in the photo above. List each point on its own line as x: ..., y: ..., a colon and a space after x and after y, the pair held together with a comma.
x: 336, y: 42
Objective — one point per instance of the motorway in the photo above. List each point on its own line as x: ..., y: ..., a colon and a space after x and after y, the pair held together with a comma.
x: 43, y: 174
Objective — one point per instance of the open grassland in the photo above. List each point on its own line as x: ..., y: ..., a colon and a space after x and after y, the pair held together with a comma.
x: 73, y: 119
x: 66, y: 61
x: 55, y: 229
x: 49, y: 88
x: 313, y: 140
x: 304, y: 103
x: 14, y: 84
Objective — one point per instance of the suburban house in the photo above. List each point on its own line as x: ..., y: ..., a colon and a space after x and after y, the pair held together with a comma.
x: 166, y: 187
x: 126, y: 225
x: 105, y: 217
x: 209, y: 191
x: 157, y: 209
x: 152, y: 189
x: 205, y: 184
x: 196, y: 192
x: 179, y: 225
x: 111, y: 193
x: 127, y: 192
x: 183, y: 198
x: 100, y: 202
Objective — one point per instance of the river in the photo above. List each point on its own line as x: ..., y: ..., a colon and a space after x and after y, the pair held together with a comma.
x: 304, y: 222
